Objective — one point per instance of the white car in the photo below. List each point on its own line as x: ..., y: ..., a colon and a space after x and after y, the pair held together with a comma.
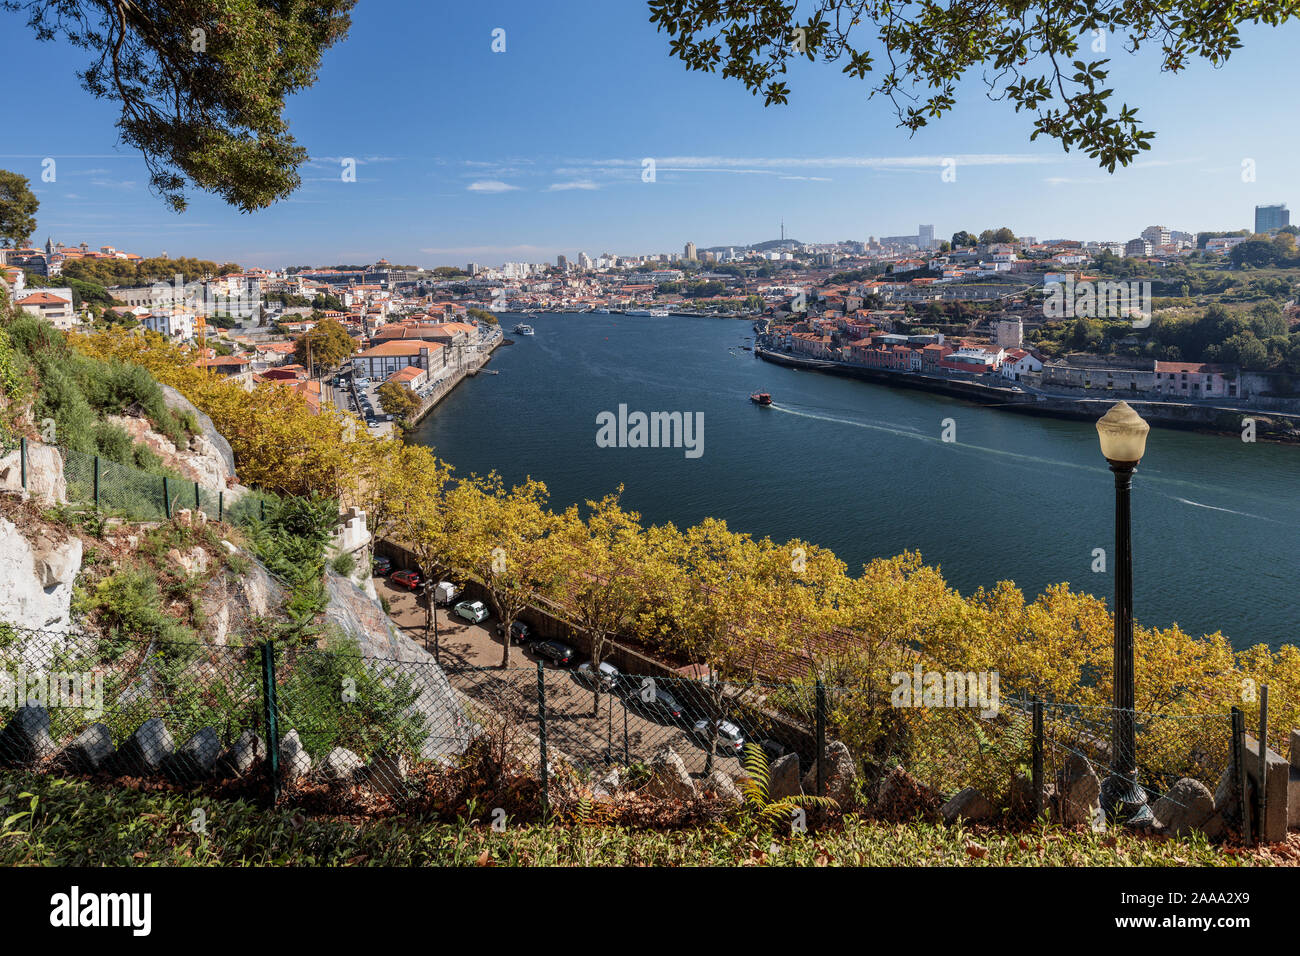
x: 472, y: 611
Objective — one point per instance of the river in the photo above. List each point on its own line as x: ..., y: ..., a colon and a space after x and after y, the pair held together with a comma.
x: 863, y: 469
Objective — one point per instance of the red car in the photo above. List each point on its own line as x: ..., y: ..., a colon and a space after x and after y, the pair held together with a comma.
x: 410, y: 579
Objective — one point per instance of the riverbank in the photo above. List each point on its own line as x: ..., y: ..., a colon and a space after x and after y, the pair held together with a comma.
x: 471, y: 367
x: 1214, y: 419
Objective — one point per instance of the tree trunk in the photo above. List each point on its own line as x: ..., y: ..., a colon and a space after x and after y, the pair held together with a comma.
x: 596, y: 648
x: 506, y: 624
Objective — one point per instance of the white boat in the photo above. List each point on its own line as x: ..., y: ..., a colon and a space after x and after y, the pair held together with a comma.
x: 523, y: 329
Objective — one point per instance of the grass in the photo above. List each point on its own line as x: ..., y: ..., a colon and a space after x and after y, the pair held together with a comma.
x: 49, y: 821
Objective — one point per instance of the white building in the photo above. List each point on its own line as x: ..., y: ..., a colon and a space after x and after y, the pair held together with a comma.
x: 53, y: 305
x: 1019, y: 363
x: 173, y: 323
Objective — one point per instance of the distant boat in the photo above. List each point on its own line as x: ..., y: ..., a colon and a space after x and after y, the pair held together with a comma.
x: 523, y: 329
x: 761, y: 398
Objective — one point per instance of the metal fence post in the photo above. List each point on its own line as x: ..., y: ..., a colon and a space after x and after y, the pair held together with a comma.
x: 96, y: 482
x: 221, y: 506
x: 197, y: 504
x: 1038, y: 756
x: 261, y: 504
x: 821, y: 738
x: 541, y: 737
x: 1239, y: 769
x: 1262, y: 789
x: 272, y: 732
x: 22, y: 461
x: 167, y: 499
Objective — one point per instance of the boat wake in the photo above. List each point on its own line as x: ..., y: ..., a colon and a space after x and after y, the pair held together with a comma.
x: 910, y: 432
x: 1244, y: 514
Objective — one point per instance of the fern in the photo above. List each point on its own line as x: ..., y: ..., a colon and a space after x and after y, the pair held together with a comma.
x: 758, y: 794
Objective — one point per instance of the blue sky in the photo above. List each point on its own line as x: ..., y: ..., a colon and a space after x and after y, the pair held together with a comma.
x: 466, y: 154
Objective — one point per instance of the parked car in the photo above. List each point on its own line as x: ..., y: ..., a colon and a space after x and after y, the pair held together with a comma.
x: 610, y: 678
x: 410, y: 579
x: 472, y: 611
x: 730, y: 739
x: 381, y: 567
x: 520, y: 633
x: 446, y: 592
x: 656, y: 703
x: 373, y: 423
x: 555, y: 652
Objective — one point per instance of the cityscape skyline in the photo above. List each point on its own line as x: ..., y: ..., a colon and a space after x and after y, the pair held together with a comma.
x: 500, y: 169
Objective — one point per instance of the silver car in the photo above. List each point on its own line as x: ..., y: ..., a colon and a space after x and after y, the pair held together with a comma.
x: 609, y: 675
x: 730, y: 739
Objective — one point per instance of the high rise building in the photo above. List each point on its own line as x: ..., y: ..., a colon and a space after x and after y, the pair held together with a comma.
x: 690, y: 250
x: 584, y: 262
x: 1271, y: 218
x: 1157, y: 235
x: 925, y: 237
x: 562, y: 263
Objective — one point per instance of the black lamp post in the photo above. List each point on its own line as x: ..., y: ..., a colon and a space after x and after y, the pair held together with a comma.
x: 1123, y: 436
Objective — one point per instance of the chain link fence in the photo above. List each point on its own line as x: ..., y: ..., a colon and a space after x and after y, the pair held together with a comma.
x: 121, y: 491
x: 324, y: 727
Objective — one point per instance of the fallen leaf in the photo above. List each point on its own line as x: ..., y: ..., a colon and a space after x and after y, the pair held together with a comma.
x: 977, y: 851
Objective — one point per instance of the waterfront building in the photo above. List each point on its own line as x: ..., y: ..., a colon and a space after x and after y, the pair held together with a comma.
x: 380, y: 361
x: 1196, y: 380
x: 1020, y: 363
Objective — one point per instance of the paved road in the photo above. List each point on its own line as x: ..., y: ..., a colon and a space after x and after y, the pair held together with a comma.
x: 471, y: 657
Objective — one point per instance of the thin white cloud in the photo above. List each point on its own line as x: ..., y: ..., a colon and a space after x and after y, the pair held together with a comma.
x: 359, y: 160
x: 575, y: 184
x: 828, y: 162
x: 484, y: 251
x: 490, y: 186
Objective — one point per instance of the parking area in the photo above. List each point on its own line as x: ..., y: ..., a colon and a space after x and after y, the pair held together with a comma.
x: 616, y: 734
x: 362, y: 398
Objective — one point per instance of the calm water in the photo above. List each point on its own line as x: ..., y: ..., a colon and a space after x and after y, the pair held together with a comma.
x: 861, y: 469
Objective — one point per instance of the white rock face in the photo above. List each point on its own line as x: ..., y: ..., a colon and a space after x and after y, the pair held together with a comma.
x: 201, y: 461
x: 36, y: 577
x: 45, y: 480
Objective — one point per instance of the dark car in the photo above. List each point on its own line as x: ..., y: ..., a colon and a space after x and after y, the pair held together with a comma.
x: 410, y: 579
x: 653, y: 701
x: 555, y: 652
x: 382, y: 567
x: 520, y: 633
